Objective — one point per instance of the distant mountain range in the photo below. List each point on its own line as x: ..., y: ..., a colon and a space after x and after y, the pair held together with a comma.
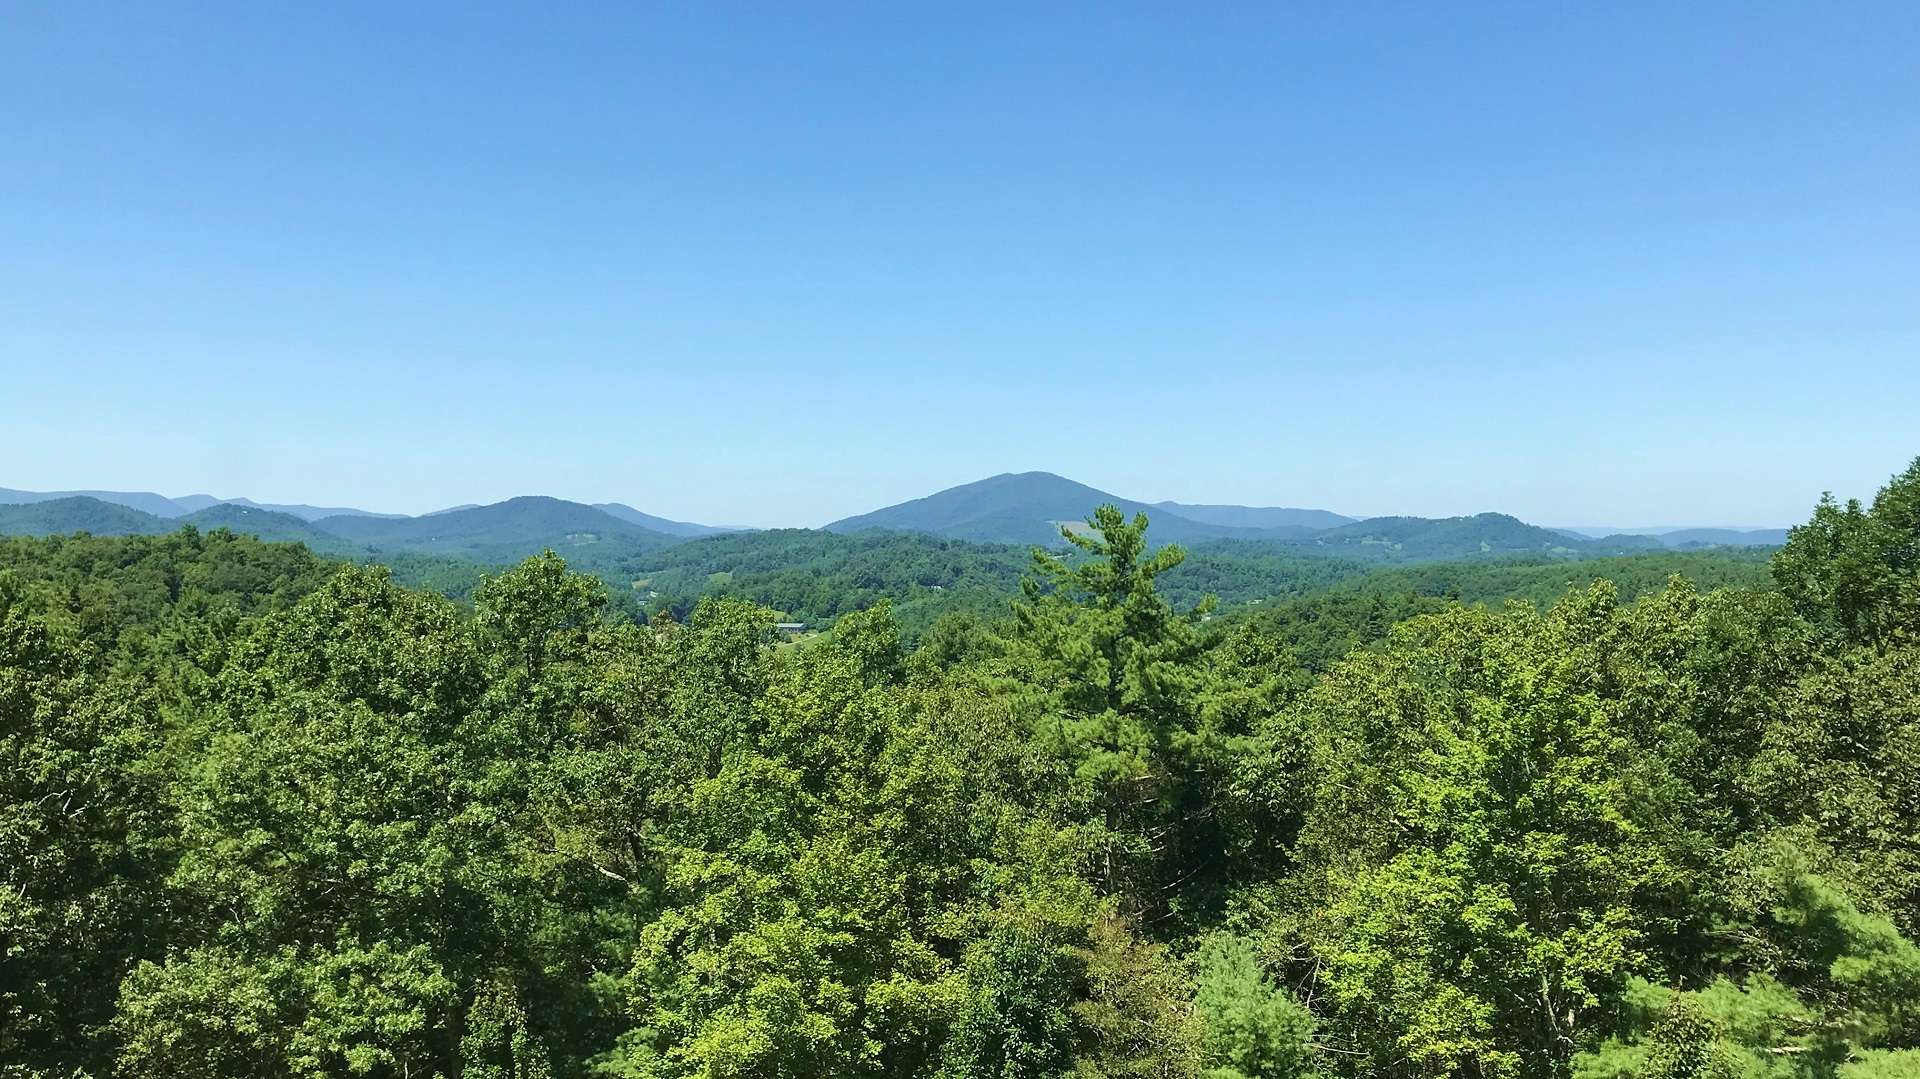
x: 162, y: 506
x: 1256, y: 516
x: 501, y: 533
x: 505, y: 531
x: 661, y: 524
x: 1030, y: 507
x: 1673, y: 536
x: 1027, y: 508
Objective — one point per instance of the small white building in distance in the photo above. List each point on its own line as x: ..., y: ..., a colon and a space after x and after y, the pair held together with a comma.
x: 790, y: 627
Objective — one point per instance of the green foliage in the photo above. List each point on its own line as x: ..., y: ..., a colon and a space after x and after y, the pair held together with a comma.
x: 262, y: 814
x: 1324, y: 625
x: 816, y: 577
x: 1253, y: 1027
x: 1113, y: 670
x: 1419, y: 539
x: 80, y: 832
x: 1863, y: 994
x: 503, y: 532
x: 1841, y: 758
x: 76, y: 514
x: 1856, y: 571
x: 1482, y: 822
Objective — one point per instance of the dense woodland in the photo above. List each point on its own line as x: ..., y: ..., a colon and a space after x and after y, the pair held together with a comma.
x: 263, y: 813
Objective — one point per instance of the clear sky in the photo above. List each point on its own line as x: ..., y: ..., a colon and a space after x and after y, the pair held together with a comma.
x: 778, y: 263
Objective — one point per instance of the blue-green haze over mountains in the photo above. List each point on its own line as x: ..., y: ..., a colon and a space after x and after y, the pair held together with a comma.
x: 961, y: 549
x: 1026, y: 508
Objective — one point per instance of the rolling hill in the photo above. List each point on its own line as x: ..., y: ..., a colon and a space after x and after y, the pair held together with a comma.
x: 659, y: 524
x: 1427, y: 539
x: 144, y: 501
x: 504, y: 532
x: 1724, y: 537
x: 82, y: 513
x: 162, y: 506
x: 78, y: 513
x: 301, y: 509
x: 270, y: 525
x: 491, y: 535
x: 1265, y: 517
x: 815, y: 576
x: 1656, y: 538
x: 1029, y: 508
x: 1023, y: 509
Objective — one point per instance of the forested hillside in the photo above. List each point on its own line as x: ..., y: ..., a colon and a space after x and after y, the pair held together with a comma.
x: 653, y: 565
x: 1417, y: 538
x: 457, y: 545
x: 818, y: 576
x: 1023, y: 508
x: 1323, y: 626
x: 264, y: 814
x: 1264, y: 517
x: 158, y: 505
x: 76, y: 513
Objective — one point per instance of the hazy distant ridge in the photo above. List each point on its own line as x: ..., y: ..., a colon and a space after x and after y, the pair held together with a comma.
x: 501, y: 533
x: 1029, y: 507
x: 1257, y: 516
x: 161, y: 506
x: 659, y: 524
x: 1026, y: 508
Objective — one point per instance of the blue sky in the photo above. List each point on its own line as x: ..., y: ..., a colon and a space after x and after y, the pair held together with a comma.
x: 775, y: 264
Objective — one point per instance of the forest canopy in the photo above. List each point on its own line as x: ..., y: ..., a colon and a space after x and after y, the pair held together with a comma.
x: 266, y: 814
